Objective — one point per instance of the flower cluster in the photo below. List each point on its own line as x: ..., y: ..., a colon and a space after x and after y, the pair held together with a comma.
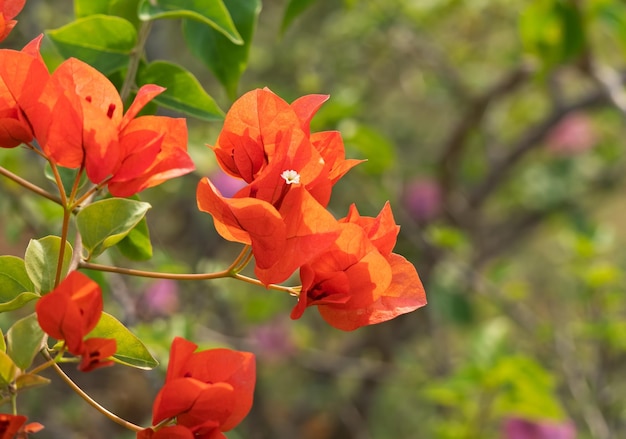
x: 69, y: 313
x: 347, y: 266
x: 206, y: 393
x: 77, y: 117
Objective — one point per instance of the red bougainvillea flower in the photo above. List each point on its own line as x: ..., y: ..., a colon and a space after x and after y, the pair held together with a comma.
x: 86, y: 127
x: 12, y: 426
x: 9, y: 10
x: 358, y: 281
x: 282, y: 239
x: 289, y: 174
x: 69, y: 313
x: 263, y: 136
x: 208, y: 392
x: 23, y: 76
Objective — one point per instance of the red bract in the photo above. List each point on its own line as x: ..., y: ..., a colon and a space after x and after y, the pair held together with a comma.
x: 23, y: 76
x: 12, y: 426
x: 86, y: 126
x: 9, y: 10
x: 263, y: 136
x: 282, y: 240
x: 69, y: 313
x: 207, y: 392
x: 171, y: 432
x: 289, y: 174
x: 358, y: 281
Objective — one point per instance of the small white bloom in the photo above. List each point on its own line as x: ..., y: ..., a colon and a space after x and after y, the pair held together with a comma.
x: 291, y: 176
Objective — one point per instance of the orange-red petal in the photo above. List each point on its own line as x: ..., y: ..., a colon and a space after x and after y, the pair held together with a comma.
x: 309, y: 230
x: 245, y: 220
x: 405, y: 294
x: 305, y: 108
x: 71, y: 310
x: 96, y: 353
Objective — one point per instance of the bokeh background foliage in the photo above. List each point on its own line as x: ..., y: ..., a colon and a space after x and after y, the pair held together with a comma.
x: 495, y: 127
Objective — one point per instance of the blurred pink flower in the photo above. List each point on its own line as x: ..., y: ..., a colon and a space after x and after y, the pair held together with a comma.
x: 422, y: 199
x: 573, y: 135
x: 518, y: 428
x: 160, y: 299
x: 273, y: 340
x: 226, y: 184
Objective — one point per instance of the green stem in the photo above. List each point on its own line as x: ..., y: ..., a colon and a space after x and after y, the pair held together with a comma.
x: 75, y: 187
x: 67, y: 213
x: 59, y: 182
x: 294, y: 291
x: 242, y: 261
x: 42, y: 366
x: 244, y: 255
x: 112, y: 416
x: 135, y: 58
x: 30, y: 186
x: 154, y: 274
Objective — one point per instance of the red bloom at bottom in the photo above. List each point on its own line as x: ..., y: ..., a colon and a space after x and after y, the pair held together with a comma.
x: 12, y: 426
x: 205, y: 392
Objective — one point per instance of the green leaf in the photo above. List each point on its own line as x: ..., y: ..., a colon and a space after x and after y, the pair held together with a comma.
x: 226, y: 60
x: 41, y: 258
x: 103, y: 41
x: 294, y: 8
x: 84, y: 8
x: 130, y: 350
x: 212, y: 13
x: 552, y: 30
x: 8, y: 370
x: 136, y: 245
x: 612, y: 15
x: 14, y: 284
x: 3, y: 345
x: 120, y: 8
x: 106, y: 222
x: 28, y: 381
x: 24, y: 339
x: 525, y: 388
x: 184, y: 93
x: 378, y: 149
x: 19, y: 301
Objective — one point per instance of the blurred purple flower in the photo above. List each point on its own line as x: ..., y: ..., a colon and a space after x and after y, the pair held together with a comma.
x: 226, y: 184
x: 160, y: 299
x: 518, y: 428
x: 273, y: 339
x: 422, y: 199
x: 572, y: 135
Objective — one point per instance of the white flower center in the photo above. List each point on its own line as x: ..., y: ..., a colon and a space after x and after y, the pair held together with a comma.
x: 291, y: 176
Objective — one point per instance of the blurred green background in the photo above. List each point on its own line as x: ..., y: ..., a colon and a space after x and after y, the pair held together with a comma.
x: 496, y: 129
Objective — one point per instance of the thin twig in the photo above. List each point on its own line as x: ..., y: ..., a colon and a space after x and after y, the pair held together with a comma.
x: 112, y: 416
x: 30, y: 186
x: 529, y: 140
x: 454, y: 146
